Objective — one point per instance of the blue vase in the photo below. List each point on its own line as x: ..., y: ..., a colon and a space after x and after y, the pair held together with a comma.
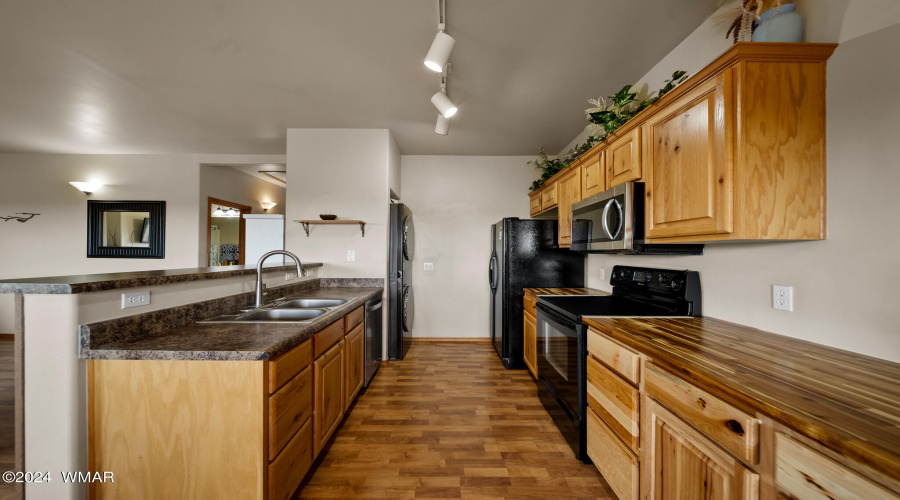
x: 786, y: 26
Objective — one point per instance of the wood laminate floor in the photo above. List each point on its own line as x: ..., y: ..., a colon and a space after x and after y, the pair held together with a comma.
x: 450, y: 422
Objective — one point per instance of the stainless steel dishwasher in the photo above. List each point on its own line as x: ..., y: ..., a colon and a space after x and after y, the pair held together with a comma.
x: 373, y: 338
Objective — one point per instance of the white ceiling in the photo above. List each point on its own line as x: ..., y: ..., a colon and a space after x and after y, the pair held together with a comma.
x: 228, y: 76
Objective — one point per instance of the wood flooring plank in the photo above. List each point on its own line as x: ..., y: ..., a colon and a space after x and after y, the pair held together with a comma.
x: 449, y: 421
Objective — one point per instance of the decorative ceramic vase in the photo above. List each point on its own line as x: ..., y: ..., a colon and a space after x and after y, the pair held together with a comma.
x: 781, y: 24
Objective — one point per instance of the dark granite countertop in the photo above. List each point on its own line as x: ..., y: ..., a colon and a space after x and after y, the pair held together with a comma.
x: 221, y: 341
x: 847, y: 401
x: 86, y: 283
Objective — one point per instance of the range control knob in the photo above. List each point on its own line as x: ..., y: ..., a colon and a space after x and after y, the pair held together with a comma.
x: 676, y: 285
x: 663, y: 279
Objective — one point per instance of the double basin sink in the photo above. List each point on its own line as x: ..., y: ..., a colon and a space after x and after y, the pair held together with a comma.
x: 288, y: 310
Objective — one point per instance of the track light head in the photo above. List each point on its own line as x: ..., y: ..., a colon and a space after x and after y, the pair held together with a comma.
x: 444, y: 104
x: 439, y: 53
x: 443, y: 125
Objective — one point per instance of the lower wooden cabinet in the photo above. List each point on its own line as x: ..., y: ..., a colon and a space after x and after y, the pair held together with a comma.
x: 803, y: 473
x: 355, y: 345
x: 328, y: 404
x: 286, y: 472
x: 678, y: 462
x: 613, y: 459
x: 530, y: 344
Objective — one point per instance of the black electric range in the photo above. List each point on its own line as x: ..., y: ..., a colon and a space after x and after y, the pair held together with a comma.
x: 562, y: 346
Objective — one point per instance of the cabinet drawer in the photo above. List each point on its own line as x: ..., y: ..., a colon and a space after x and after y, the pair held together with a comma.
x: 613, y: 459
x: 354, y: 318
x: 803, y: 473
x: 615, y: 401
x: 548, y: 196
x: 529, y: 306
x: 289, y: 408
x: 287, y: 471
x: 728, y: 426
x: 289, y: 364
x: 329, y: 336
x: 622, y: 360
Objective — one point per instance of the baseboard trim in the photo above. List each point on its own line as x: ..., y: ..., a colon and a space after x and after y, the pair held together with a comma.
x: 7, y: 336
x: 468, y: 340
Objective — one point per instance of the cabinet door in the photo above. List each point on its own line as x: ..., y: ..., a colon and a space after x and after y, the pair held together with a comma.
x: 535, y: 201
x: 623, y: 159
x: 678, y: 462
x: 688, y: 164
x: 328, y: 407
x: 354, y: 344
x: 569, y: 193
x: 593, y: 174
x: 531, y: 344
x: 548, y: 195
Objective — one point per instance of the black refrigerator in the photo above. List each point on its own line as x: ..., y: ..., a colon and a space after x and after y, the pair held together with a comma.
x: 525, y: 253
x: 400, y: 292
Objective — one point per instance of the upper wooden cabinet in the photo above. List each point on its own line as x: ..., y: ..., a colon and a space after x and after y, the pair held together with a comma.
x: 737, y: 152
x: 688, y: 155
x: 569, y: 192
x: 534, y: 202
x: 623, y: 158
x: 593, y: 173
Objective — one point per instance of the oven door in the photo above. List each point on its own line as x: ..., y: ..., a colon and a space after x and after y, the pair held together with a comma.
x: 561, y: 359
x: 605, y: 221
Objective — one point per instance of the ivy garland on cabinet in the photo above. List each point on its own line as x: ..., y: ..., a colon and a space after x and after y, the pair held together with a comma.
x: 605, y: 118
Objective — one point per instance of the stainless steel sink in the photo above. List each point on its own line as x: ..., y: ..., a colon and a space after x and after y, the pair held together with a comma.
x: 309, y: 303
x: 274, y: 315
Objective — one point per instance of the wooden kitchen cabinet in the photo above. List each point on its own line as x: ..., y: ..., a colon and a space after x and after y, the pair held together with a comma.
x: 688, y: 158
x: 355, y: 359
x: 593, y: 172
x: 569, y: 193
x: 530, y: 344
x: 328, y: 402
x: 534, y: 202
x: 548, y: 195
x: 678, y: 462
x: 623, y: 158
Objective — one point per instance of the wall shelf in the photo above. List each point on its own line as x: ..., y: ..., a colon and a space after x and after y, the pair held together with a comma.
x: 306, y: 224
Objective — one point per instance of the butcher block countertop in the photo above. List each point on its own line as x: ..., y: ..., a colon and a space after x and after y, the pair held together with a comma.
x: 535, y: 292
x: 846, y: 401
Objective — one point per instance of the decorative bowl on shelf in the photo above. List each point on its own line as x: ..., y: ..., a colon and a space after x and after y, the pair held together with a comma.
x: 327, y: 216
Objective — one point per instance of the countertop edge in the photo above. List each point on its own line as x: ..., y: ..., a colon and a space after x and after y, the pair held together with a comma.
x: 135, y: 279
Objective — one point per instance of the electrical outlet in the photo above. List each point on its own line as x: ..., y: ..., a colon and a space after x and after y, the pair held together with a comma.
x: 135, y: 299
x: 288, y: 276
x: 429, y: 266
x: 783, y: 297
x: 351, y: 255
x: 602, y: 274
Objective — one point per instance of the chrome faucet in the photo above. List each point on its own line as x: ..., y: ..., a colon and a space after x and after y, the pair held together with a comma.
x: 260, y: 287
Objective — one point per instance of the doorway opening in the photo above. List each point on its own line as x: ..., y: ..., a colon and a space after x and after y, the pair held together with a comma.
x: 225, y: 229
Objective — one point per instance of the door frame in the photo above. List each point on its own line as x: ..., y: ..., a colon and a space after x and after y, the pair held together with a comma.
x: 244, y: 209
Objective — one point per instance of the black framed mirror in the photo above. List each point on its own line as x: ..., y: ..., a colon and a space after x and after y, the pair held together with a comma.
x: 126, y: 229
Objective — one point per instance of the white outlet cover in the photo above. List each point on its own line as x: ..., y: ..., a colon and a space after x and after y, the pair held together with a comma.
x: 288, y: 276
x: 136, y: 299
x: 429, y: 266
x: 351, y: 255
x: 602, y: 273
x: 783, y: 297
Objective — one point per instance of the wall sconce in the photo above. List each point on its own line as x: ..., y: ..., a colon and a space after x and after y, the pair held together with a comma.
x: 266, y: 205
x: 87, y: 187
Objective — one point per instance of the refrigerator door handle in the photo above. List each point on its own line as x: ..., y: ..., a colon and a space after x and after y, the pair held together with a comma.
x: 491, y: 272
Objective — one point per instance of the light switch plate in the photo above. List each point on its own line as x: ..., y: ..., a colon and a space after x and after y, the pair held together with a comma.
x: 136, y: 299
x: 429, y: 266
x: 783, y: 297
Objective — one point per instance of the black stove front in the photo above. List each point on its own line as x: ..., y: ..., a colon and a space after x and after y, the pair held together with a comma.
x: 562, y: 344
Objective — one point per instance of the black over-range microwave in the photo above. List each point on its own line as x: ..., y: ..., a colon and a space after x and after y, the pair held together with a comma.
x: 613, y: 222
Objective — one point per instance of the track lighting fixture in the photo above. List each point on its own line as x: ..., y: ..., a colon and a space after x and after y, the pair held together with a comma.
x: 443, y: 125
x: 440, y: 99
x: 442, y: 46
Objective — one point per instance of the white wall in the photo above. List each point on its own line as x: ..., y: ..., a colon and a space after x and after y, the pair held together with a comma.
x: 226, y: 183
x: 394, y: 169
x: 454, y: 200
x: 844, y: 292
x: 54, y: 243
x: 342, y: 172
